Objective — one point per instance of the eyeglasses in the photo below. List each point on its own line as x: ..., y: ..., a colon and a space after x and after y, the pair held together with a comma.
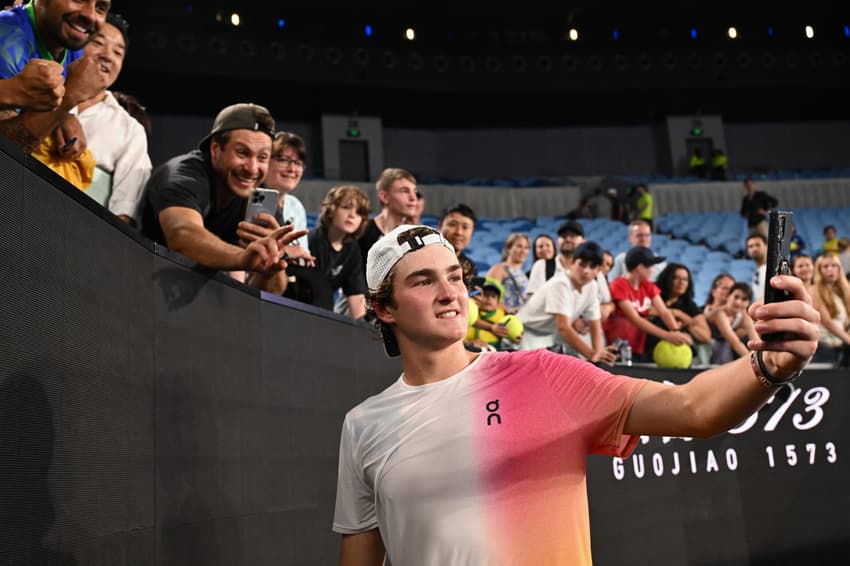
x: 283, y: 160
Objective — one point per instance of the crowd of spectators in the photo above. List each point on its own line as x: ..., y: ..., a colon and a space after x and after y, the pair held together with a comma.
x: 60, y: 59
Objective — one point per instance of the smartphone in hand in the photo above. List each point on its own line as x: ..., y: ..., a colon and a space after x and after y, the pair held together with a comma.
x: 778, y: 258
x: 261, y: 200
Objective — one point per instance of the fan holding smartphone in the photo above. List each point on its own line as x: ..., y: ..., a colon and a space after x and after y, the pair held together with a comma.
x: 195, y: 203
x: 262, y: 201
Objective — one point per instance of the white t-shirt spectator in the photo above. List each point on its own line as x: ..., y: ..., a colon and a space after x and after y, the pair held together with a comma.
x: 120, y: 148
x: 557, y: 296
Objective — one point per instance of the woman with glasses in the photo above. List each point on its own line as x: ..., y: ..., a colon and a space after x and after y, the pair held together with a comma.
x: 677, y: 292
x: 286, y: 167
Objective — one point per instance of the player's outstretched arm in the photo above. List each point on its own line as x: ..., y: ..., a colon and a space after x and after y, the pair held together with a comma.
x: 720, y: 398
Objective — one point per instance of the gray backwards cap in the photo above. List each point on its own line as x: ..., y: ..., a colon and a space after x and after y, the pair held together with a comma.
x: 242, y: 116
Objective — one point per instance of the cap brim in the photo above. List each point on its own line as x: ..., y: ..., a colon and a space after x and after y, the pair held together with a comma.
x: 658, y: 259
x: 391, y: 346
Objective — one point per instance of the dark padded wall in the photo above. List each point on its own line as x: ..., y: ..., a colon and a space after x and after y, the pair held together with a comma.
x: 153, y: 414
x: 76, y: 429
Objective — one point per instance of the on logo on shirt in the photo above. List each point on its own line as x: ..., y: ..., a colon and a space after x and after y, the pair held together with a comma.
x: 493, y: 413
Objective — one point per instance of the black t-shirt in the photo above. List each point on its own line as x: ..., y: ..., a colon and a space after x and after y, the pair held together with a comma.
x: 343, y: 268
x: 187, y: 181
x: 684, y: 304
x: 371, y: 235
x: 750, y: 208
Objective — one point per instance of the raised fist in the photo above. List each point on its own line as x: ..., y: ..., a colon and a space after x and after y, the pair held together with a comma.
x: 85, y: 80
x: 39, y: 87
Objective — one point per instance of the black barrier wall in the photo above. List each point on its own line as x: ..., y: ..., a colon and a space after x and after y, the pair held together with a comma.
x: 153, y: 414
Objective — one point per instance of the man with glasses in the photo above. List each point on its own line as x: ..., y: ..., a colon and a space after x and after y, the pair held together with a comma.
x: 640, y: 234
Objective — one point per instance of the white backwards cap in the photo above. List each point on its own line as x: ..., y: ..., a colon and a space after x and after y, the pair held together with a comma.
x: 385, y: 253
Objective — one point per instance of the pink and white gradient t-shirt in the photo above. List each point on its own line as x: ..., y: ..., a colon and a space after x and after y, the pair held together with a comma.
x: 487, y: 466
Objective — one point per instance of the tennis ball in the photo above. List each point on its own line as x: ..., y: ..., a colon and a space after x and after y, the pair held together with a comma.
x: 669, y: 355
x: 473, y: 312
x: 514, y: 327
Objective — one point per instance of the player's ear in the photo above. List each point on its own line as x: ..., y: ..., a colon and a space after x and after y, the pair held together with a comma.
x: 384, y: 313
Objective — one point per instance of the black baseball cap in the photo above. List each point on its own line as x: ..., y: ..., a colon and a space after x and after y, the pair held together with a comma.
x: 571, y: 226
x: 640, y: 255
x: 242, y: 116
x: 589, y: 251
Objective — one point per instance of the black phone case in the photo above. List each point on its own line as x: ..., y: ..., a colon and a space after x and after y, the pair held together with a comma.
x: 778, y: 257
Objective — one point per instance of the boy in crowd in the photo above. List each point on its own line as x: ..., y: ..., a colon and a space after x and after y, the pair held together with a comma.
x: 492, y: 316
x: 830, y: 240
x: 397, y: 194
x: 549, y: 314
x: 634, y: 294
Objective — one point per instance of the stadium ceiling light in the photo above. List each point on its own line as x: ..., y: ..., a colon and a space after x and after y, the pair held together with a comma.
x: 410, y: 34
x: 810, y: 32
x: 573, y: 34
x: 235, y: 20
x: 732, y: 32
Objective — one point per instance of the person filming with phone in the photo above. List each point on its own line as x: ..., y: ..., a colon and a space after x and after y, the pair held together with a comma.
x: 195, y: 202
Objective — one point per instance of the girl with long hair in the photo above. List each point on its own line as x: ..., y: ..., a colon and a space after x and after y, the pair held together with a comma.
x: 831, y: 296
x: 509, y: 271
